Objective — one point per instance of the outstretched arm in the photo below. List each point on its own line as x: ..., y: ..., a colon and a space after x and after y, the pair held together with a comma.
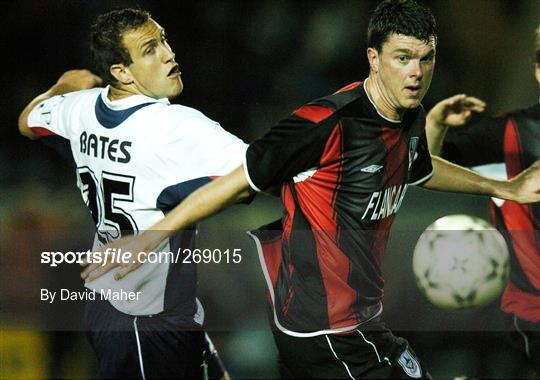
x: 451, y: 112
x: 205, y: 202
x: 524, y: 188
x: 73, y: 80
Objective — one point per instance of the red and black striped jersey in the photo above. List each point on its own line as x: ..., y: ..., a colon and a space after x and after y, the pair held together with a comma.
x: 504, y: 146
x: 343, y: 170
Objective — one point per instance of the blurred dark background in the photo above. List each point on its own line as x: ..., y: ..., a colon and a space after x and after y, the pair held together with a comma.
x: 245, y: 64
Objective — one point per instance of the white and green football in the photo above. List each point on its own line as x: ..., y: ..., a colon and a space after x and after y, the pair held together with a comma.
x: 461, y: 262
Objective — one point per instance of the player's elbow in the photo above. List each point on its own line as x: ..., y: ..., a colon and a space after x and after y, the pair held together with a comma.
x: 27, y: 132
x: 24, y: 129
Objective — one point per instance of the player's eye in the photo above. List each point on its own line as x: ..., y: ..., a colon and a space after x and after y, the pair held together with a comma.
x: 429, y: 58
x: 403, y: 58
x: 150, y: 49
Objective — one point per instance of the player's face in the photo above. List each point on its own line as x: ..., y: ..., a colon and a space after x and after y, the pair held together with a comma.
x: 404, y: 69
x: 154, y: 71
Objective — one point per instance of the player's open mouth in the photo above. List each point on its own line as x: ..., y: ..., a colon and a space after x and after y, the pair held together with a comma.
x: 412, y: 90
x: 175, y: 72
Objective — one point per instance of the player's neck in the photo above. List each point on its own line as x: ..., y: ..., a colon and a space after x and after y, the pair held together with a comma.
x: 381, y: 103
x: 117, y: 93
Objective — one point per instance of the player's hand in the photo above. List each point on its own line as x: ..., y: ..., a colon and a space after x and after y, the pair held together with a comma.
x: 130, y: 254
x: 455, y: 111
x: 75, y: 80
x: 526, y: 185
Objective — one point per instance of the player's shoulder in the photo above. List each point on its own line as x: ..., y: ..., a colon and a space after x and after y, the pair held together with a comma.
x: 179, y: 113
x: 342, y: 97
x: 90, y: 94
x: 500, y: 120
x: 178, y: 121
x: 527, y: 113
x: 70, y: 103
x: 323, y: 108
x: 72, y: 97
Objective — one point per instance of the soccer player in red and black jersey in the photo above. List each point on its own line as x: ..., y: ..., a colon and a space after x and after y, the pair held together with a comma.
x: 343, y: 164
x: 502, y: 146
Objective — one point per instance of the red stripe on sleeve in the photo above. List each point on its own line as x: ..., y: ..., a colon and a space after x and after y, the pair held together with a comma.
x: 349, y: 87
x: 314, y: 113
x: 42, y: 132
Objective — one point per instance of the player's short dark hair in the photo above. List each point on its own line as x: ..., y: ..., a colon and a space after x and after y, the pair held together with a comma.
x: 405, y: 17
x: 537, y: 44
x: 106, y: 39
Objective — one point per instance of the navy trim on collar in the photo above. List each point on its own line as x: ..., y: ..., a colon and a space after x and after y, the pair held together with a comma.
x: 109, y: 118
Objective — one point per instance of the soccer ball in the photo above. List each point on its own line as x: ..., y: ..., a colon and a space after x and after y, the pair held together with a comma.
x: 461, y: 262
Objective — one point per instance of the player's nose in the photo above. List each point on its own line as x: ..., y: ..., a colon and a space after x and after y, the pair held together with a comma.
x: 416, y: 69
x: 168, y: 55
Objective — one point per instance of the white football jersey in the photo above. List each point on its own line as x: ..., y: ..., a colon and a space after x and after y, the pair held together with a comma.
x: 135, y: 158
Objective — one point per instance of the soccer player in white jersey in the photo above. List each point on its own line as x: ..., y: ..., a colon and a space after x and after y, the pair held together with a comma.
x: 137, y: 156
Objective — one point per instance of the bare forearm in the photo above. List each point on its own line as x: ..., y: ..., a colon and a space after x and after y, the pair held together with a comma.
x: 203, y: 203
x: 451, y: 112
x: 435, y: 133
x: 456, y: 179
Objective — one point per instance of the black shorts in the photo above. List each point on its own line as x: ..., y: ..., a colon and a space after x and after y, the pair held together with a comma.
x: 525, y: 337
x: 368, y: 353
x: 144, y: 347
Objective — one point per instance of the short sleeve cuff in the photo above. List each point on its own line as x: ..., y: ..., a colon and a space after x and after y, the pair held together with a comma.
x: 246, y: 172
x: 422, y: 180
x: 35, y: 122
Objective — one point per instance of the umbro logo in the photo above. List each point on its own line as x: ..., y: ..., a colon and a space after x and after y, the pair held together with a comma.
x: 372, y: 169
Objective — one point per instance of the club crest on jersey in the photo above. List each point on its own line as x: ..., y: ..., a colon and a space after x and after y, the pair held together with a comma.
x: 413, y: 144
x: 409, y: 364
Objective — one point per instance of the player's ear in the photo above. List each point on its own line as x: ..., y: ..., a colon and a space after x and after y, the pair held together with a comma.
x: 537, y: 71
x: 373, y: 59
x: 121, y: 73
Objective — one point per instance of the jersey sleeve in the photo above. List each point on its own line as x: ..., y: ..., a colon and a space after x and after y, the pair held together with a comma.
x: 292, y: 146
x: 223, y: 152
x: 51, y: 116
x: 476, y: 144
x: 203, y: 145
x: 421, y: 169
